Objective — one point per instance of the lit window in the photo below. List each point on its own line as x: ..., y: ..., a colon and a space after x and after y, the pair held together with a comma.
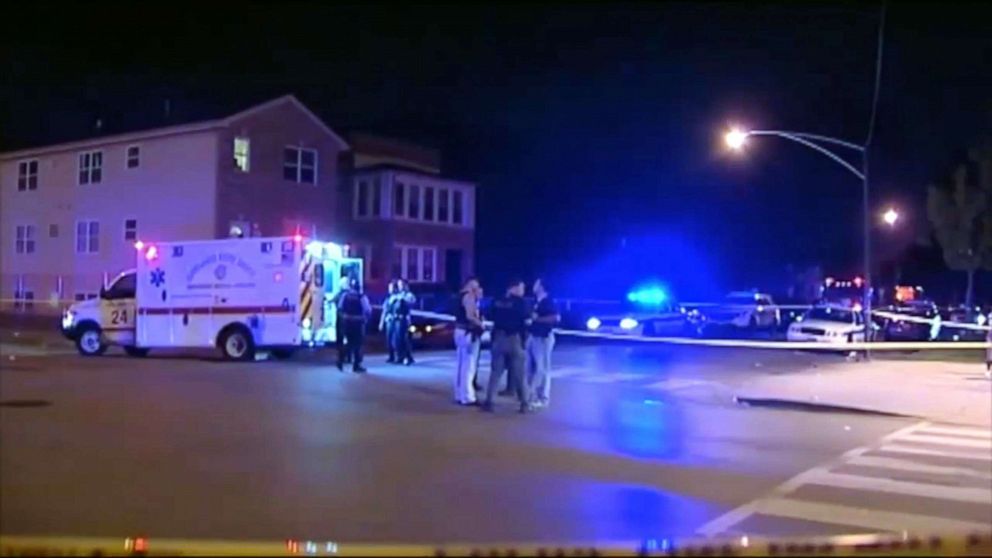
x: 457, y: 207
x: 24, y: 239
x: 242, y: 154
x: 133, y: 157
x: 442, y: 206
x: 87, y: 237
x: 300, y: 165
x: 130, y: 229
x: 414, y: 205
x: 27, y: 176
x: 428, y: 204
x: 91, y: 167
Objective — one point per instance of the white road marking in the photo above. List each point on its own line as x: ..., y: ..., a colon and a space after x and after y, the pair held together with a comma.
x: 863, y: 517
x: 946, y: 441
x: 910, y: 466
x: 896, y: 448
x: 736, y: 515
x: 958, y: 431
x: 824, y: 477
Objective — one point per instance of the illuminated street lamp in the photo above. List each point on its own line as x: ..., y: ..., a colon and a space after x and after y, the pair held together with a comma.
x: 890, y: 216
x: 736, y: 139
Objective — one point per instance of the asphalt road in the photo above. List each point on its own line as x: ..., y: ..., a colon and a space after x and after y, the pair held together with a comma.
x: 639, y: 442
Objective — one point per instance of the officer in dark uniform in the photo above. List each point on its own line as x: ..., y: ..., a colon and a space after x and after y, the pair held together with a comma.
x: 404, y: 301
x: 354, y: 312
x: 510, y: 319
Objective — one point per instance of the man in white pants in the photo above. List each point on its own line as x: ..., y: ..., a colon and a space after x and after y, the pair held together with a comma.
x: 540, y: 343
x: 468, y: 335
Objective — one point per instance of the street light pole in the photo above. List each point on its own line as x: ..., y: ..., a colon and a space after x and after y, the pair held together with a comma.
x: 736, y: 139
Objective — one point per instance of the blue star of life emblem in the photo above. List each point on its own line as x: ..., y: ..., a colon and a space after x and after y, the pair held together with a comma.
x: 158, y: 277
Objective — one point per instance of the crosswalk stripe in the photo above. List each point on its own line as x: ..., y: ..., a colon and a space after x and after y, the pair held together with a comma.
x: 874, y: 484
x: 946, y: 441
x: 896, y: 448
x: 957, y: 431
x: 903, y: 465
x: 863, y: 517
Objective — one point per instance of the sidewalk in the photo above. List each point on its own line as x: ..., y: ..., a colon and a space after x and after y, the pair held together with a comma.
x: 941, y: 391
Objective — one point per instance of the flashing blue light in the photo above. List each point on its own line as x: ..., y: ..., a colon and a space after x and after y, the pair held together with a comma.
x: 593, y: 323
x: 628, y: 323
x: 648, y: 296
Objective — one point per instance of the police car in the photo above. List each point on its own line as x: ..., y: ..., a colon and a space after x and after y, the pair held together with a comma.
x: 651, y: 314
x: 833, y: 324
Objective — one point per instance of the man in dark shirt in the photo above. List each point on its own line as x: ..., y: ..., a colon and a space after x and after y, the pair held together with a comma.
x: 539, y: 346
x: 510, y: 318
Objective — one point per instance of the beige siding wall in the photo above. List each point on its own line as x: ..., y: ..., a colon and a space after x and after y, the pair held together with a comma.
x: 171, y: 195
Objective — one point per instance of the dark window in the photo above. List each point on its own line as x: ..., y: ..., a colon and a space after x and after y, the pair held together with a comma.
x: 398, y: 204
x: 53, y: 231
x: 130, y: 229
x: 428, y: 204
x: 457, y: 206
x: 397, y: 267
x: 27, y: 175
x: 414, y: 212
x: 133, y: 157
x: 363, y: 198
x: 376, y: 198
x: 442, y: 205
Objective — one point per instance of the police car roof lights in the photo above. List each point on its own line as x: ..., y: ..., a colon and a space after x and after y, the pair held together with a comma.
x: 649, y: 296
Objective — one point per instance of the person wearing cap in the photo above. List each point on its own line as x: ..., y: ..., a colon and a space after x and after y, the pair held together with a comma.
x: 403, y: 301
x: 468, y: 341
x: 387, y: 321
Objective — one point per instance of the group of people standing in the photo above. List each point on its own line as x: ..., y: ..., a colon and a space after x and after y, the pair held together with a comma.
x: 395, y: 322
x: 522, y: 342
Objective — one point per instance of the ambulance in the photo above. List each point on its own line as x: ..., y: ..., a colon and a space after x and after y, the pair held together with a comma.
x: 239, y: 295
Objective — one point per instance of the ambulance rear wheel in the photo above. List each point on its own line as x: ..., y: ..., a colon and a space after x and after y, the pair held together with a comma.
x: 236, y: 344
x: 90, y: 341
x: 136, y: 351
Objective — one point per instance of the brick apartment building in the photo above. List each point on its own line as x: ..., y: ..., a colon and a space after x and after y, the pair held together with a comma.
x: 403, y: 218
x: 71, y: 212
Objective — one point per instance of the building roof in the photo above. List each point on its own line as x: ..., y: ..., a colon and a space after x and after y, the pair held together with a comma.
x: 131, y: 129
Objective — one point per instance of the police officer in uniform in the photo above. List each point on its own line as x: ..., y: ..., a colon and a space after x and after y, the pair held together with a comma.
x: 404, y: 306
x: 510, y: 319
x: 354, y: 311
x: 387, y: 322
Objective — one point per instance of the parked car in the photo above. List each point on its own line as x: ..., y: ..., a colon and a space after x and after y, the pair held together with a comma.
x: 745, y: 310
x: 829, y: 324
x: 896, y: 329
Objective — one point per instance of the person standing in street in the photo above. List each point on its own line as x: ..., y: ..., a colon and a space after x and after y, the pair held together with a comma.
x: 387, y: 321
x: 354, y: 312
x: 468, y: 341
x: 404, y: 301
x: 988, y: 350
x: 510, y: 317
x: 540, y: 343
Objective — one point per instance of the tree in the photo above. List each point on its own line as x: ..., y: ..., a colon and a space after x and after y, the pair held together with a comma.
x: 961, y: 215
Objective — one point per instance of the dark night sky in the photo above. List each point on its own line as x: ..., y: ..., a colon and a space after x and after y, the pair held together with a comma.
x: 583, y: 124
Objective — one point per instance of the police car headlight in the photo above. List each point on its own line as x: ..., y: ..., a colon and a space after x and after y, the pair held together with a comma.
x: 628, y: 323
x: 413, y: 329
x: 307, y: 323
x: 593, y: 323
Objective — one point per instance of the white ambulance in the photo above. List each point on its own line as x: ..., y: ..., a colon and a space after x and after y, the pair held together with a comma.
x: 240, y: 295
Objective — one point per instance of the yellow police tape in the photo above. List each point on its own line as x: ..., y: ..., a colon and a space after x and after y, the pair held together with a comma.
x: 976, y: 544
x: 840, y: 345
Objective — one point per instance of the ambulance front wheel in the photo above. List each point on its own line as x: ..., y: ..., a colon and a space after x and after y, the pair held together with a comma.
x: 236, y: 343
x: 89, y: 341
